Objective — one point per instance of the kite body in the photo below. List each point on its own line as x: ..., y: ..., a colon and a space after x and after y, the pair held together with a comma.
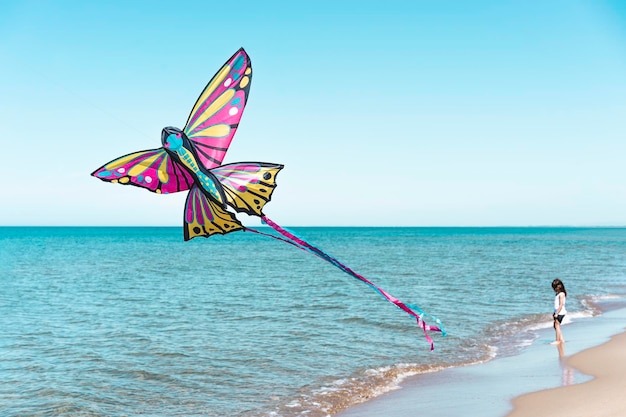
x: 190, y: 159
x: 177, y: 144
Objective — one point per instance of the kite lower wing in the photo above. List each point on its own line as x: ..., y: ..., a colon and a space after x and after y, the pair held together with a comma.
x: 204, y: 217
x: 248, y: 186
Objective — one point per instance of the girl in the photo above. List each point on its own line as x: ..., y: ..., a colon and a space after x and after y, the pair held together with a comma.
x: 559, y: 308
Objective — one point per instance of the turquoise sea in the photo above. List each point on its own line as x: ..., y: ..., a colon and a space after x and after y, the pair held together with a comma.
x: 134, y: 321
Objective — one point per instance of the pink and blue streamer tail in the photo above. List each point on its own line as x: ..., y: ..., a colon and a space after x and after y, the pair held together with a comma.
x: 412, y: 310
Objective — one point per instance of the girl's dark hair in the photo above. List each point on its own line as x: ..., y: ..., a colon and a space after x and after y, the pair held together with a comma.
x: 557, y: 285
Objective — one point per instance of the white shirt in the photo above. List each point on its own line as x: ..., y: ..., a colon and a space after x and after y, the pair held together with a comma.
x: 557, y: 302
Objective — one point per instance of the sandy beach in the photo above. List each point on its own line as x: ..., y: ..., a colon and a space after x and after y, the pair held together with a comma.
x: 601, y: 397
x: 588, y: 370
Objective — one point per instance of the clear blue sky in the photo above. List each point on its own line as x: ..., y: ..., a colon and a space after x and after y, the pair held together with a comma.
x: 425, y: 113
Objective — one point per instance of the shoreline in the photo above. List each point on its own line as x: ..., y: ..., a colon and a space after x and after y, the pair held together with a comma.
x: 488, y: 389
x: 603, y: 396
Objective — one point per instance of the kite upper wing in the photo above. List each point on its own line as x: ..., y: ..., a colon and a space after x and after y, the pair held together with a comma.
x: 154, y: 170
x: 215, y: 117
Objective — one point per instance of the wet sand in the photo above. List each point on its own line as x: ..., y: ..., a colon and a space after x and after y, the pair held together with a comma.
x: 603, y: 396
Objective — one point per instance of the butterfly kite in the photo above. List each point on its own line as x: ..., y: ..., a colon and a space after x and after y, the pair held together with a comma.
x: 191, y: 160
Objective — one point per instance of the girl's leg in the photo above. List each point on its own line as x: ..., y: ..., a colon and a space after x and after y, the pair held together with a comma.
x: 557, y: 330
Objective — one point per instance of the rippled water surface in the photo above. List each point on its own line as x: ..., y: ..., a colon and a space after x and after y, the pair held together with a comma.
x: 130, y: 321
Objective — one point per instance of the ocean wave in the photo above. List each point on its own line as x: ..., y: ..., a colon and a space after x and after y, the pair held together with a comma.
x: 339, y: 394
x: 603, y: 302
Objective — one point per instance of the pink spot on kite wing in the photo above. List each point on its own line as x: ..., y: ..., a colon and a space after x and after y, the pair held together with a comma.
x: 189, y: 214
x: 190, y: 206
x: 198, y: 210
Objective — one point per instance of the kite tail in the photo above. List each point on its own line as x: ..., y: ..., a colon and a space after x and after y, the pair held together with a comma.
x: 300, y: 243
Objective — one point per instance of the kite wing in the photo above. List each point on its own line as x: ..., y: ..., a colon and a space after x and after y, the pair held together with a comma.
x: 215, y: 117
x: 204, y: 217
x: 154, y: 170
x: 248, y: 185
